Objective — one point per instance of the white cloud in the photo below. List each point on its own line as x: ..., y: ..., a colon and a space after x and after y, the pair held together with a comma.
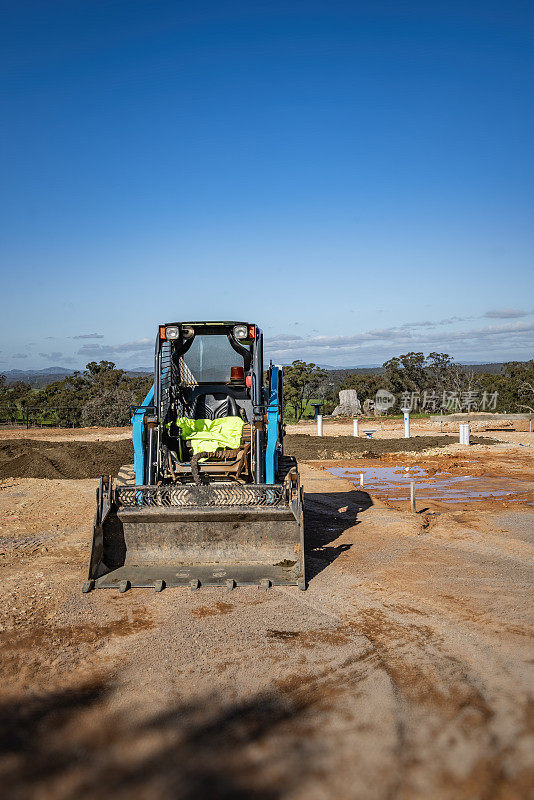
x: 452, y: 320
x: 424, y: 324
x: 505, y: 313
x: 104, y: 350
x: 19, y: 355
x: 286, y: 337
x: 439, y: 322
x: 56, y: 356
x: 89, y: 336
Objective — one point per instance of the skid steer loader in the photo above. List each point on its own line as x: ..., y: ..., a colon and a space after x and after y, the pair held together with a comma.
x: 214, y: 501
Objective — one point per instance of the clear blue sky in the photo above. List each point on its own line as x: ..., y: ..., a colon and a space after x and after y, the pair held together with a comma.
x: 357, y: 177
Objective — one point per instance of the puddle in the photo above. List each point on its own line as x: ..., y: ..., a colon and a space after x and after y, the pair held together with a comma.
x: 394, y: 483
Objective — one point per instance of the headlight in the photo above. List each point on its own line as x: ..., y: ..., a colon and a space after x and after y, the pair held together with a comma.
x: 241, y: 331
x: 187, y: 331
x: 172, y: 332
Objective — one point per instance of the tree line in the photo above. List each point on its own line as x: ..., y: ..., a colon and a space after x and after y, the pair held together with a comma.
x: 99, y: 395
x: 427, y: 384
x: 102, y: 394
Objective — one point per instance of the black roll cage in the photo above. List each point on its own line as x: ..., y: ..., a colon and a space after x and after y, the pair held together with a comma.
x: 252, y: 358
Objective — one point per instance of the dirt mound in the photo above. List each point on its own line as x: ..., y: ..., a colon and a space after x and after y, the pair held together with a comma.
x: 24, y: 458
x: 303, y: 446
x: 31, y: 458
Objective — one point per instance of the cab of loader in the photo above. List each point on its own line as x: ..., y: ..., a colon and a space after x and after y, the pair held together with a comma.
x: 208, y: 417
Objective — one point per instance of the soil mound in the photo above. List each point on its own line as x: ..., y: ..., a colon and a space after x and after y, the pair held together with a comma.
x: 32, y: 458
x: 303, y: 446
x: 26, y: 458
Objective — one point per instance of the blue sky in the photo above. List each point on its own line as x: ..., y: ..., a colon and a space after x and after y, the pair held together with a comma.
x: 356, y: 177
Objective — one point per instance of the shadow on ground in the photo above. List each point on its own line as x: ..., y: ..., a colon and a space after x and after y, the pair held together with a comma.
x: 68, y: 744
x: 327, y: 515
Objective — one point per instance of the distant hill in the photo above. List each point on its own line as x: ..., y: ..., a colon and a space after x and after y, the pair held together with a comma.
x: 140, y: 371
x: 19, y: 374
x: 39, y: 378
x: 36, y: 377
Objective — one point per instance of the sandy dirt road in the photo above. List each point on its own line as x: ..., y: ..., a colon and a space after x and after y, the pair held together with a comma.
x: 405, y: 670
x: 93, y: 434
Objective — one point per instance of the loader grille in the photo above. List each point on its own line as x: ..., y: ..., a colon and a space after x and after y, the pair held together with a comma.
x: 199, y: 496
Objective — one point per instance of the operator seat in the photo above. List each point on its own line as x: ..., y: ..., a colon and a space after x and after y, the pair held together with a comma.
x: 226, y: 463
x: 214, y: 405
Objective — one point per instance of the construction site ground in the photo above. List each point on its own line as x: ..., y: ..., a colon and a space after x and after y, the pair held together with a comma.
x: 404, y: 671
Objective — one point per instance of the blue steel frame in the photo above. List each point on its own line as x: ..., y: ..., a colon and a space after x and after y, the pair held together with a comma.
x: 137, y: 435
x: 274, y: 418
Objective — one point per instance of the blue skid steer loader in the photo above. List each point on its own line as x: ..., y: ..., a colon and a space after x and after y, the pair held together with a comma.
x: 214, y: 501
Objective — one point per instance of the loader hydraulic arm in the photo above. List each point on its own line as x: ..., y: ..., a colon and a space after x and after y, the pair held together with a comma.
x: 137, y: 420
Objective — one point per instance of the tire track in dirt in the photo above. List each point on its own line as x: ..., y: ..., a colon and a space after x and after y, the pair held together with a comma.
x: 462, y: 733
x: 373, y: 661
x: 444, y: 697
x: 446, y: 740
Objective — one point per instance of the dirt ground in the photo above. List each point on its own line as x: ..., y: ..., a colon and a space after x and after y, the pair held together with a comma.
x: 93, y: 434
x: 405, y: 671
x: 20, y: 458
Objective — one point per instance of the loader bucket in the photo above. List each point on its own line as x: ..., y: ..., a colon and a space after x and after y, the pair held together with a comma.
x: 215, y: 535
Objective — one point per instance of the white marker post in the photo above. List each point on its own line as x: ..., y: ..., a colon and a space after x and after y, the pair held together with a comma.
x: 406, y: 424
x: 464, y: 432
x: 361, y: 480
x: 355, y: 428
x: 319, y: 424
x: 412, y: 495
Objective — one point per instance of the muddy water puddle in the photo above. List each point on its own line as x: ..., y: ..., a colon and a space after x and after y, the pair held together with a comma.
x: 393, y: 482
